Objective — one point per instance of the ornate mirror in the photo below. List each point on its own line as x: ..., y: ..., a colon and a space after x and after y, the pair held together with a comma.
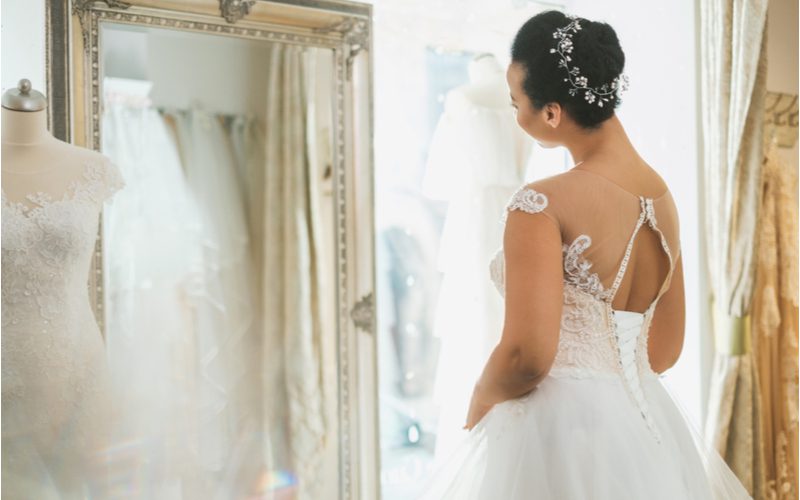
x: 234, y: 273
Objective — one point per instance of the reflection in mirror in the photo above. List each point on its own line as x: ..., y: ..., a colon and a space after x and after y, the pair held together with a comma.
x: 218, y: 264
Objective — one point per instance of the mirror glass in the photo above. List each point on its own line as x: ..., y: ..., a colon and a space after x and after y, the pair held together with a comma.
x: 219, y: 275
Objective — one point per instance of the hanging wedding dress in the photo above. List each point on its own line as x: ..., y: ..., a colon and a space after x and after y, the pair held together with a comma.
x: 601, y: 425
x: 226, y: 337
x: 153, y: 266
x: 476, y: 160
x: 178, y: 313
x: 54, y: 373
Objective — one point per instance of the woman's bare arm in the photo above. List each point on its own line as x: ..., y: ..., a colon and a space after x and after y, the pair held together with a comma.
x: 533, y: 305
x: 665, y: 337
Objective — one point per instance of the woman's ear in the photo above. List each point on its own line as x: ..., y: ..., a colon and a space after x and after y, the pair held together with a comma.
x: 552, y: 114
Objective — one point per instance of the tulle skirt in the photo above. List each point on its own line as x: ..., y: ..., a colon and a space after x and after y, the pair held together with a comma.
x: 573, y: 439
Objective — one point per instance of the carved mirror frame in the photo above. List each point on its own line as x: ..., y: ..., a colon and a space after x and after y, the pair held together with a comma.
x: 74, y: 89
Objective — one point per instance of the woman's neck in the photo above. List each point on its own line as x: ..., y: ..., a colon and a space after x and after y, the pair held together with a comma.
x: 609, y: 139
x: 24, y: 128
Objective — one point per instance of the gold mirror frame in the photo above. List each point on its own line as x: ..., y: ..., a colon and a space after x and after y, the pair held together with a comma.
x: 74, y: 90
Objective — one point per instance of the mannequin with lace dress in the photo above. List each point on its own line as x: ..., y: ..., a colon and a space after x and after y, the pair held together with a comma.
x: 54, y: 371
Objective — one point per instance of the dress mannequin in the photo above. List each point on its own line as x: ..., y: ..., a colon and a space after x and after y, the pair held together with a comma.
x: 476, y: 160
x: 487, y: 85
x: 55, y: 397
x: 34, y: 160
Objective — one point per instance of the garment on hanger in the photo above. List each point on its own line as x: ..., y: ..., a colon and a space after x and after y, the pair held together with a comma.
x: 476, y: 160
x: 226, y: 339
x: 153, y: 266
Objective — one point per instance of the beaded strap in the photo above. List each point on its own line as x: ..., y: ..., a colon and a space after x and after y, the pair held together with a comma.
x: 626, y: 343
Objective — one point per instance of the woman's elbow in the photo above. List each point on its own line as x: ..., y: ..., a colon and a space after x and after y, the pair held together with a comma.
x: 533, y: 363
x: 665, y: 358
x: 661, y: 365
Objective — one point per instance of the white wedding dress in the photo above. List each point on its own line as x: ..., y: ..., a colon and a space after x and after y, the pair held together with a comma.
x: 54, y: 370
x: 601, y: 425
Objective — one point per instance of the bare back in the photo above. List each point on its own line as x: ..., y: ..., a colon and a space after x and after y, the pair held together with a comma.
x: 597, y: 218
x: 607, y: 211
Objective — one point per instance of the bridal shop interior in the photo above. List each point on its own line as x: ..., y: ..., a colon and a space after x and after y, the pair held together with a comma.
x: 246, y: 243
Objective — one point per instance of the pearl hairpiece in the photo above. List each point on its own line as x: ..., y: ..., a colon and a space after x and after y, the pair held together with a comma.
x: 563, y: 48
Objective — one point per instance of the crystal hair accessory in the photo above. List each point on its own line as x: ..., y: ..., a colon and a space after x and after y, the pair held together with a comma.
x: 563, y: 50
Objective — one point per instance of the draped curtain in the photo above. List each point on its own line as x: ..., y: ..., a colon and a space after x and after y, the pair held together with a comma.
x: 733, y: 72
x: 292, y: 355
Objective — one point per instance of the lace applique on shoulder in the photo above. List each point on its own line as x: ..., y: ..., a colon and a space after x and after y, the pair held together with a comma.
x: 99, y: 181
x: 526, y: 199
x: 113, y: 181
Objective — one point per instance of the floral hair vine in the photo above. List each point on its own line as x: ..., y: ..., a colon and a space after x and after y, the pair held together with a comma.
x: 563, y: 49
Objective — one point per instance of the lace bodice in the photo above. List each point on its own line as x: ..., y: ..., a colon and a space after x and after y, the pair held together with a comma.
x: 52, y: 351
x: 595, y: 340
x: 47, y: 248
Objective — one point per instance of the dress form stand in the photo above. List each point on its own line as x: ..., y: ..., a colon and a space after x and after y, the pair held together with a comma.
x: 476, y: 161
x: 56, y: 403
x: 487, y: 84
x: 34, y: 160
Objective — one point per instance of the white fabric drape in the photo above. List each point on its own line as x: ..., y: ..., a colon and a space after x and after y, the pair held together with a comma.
x: 179, y: 315
x: 152, y: 259
x: 291, y: 302
x: 733, y: 72
x: 224, y: 328
x: 475, y: 163
x: 732, y: 107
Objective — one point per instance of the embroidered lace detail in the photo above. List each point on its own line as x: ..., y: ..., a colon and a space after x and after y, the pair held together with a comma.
x: 591, y: 342
x: 576, y: 268
x: 526, y: 199
x: 98, y: 183
x: 52, y: 352
x: 585, y: 346
x: 38, y: 239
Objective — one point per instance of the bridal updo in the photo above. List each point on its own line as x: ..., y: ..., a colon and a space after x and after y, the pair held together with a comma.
x: 596, y: 52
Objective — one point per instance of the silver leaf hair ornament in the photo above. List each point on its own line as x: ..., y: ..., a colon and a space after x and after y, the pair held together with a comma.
x: 579, y: 83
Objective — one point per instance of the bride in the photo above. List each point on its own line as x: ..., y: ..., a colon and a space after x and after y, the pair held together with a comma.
x: 569, y: 405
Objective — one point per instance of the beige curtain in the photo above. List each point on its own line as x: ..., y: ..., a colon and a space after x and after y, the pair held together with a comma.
x: 774, y: 328
x: 733, y: 72
x: 292, y: 353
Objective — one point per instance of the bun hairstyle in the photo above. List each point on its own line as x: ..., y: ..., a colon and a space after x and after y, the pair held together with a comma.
x: 596, y: 51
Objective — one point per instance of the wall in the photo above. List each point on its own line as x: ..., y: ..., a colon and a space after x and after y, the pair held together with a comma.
x: 23, y: 37
x: 220, y: 74
x: 782, y: 42
x: 782, y: 59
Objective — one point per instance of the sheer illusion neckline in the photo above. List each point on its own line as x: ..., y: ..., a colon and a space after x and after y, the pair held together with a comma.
x: 637, y: 196
x: 41, y: 199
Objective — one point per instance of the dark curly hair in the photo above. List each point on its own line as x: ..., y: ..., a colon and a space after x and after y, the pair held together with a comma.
x: 597, y: 53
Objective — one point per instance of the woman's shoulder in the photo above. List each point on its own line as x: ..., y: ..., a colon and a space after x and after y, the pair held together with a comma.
x: 538, y: 196
x: 556, y: 185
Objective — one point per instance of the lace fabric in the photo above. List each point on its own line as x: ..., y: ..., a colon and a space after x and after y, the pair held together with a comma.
x: 592, y: 343
x: 53, y: 360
